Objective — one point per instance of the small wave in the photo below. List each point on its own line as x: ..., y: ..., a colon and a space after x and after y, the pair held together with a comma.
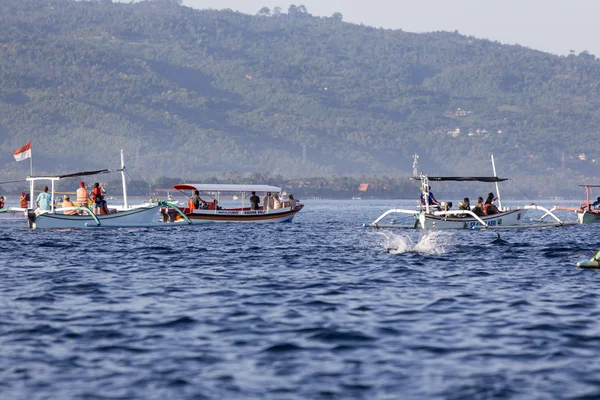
x: 429, y: 243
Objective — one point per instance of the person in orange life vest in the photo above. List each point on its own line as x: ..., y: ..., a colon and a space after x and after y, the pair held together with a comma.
x: 489, y: 208
x: 1, y: 201
x: 82, y: 195
x: 24, y: 200
x: 98, y: 198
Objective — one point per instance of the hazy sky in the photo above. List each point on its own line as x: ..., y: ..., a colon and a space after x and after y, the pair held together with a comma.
x: 554, y: 26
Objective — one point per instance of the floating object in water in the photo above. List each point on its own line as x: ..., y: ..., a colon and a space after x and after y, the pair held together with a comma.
x: 593, y: 263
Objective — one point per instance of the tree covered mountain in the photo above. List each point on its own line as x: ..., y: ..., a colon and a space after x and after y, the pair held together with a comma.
x: 189, y: 93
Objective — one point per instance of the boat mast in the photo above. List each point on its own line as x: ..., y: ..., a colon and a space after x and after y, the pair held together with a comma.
x: 425, y: 189
x: 497, y: 188
x: 125, y: 205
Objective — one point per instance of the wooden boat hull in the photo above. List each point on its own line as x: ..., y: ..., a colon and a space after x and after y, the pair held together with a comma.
x: 137, y: 217
x: 588, y: 217
x: 238, y: 216
x: 507, y: 218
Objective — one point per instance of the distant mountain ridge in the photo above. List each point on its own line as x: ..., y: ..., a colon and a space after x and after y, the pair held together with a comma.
x: 188, y: 92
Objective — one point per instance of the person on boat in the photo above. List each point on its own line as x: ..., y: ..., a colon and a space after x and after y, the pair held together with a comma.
x: 431, y: 200
x: 489, y: 208
x: 465, y: 204
x: 24, y: 200
x: 292, y: 201
x: 276, y: 202
x: 98, y: 198
x: 196, y: 203
x: 44, y: 200
x: 596, y: 204
x: 67, y: 203
x: 1, y: 201
x: 254, y: 201
x: 478, y: 209
x: 268, y: 202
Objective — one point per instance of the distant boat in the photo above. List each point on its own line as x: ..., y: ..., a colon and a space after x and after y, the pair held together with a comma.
x: 356, y: 198
x: 213, y: 213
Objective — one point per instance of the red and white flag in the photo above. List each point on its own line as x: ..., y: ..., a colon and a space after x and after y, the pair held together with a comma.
x: 23, y: 153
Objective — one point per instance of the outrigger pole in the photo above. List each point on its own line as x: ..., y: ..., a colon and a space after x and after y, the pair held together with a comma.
x: 497, y: 187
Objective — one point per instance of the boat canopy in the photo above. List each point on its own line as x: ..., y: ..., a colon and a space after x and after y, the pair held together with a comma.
x: 463, y: 178
x: 202, y: 187
x: 590, y: 186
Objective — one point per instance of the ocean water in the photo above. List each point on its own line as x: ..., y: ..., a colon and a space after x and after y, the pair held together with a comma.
x: 321, y: 308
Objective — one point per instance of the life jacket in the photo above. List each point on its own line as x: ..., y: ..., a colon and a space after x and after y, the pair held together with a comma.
x: 486, y: 208
x: 191, y: 205
x: 1, y: 203
x: 24, y: 201
x: 82, y: 197
x: 97, y: 195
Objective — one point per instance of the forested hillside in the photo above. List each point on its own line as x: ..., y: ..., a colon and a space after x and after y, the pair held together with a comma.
x: 189, y: 93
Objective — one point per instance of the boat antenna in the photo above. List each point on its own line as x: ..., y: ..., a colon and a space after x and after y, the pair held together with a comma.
x: 415, y: 165
x: 497, y: 188
x: 125, y: 205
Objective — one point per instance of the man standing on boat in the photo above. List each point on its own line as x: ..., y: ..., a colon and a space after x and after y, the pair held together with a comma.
x: 82, y: 195
x: 254, y: 201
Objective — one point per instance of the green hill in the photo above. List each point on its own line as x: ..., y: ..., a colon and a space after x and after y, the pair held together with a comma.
x: 189, y: 93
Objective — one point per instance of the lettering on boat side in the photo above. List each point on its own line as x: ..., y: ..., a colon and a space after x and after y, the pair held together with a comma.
x: 238, y: 213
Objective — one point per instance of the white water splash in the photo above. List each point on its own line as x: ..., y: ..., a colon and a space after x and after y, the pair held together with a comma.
x: 432, y: 242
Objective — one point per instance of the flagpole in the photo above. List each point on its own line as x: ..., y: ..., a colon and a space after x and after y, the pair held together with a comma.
x: 31, y: 163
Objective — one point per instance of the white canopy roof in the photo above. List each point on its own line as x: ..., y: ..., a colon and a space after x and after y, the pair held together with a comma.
x: 203, y: 187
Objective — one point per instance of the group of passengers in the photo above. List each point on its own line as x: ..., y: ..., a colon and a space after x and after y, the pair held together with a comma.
x: 273, y: 202
x: 480, y: 209
x: 97, y: 196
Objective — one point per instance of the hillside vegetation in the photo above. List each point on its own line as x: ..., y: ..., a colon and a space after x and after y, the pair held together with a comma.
x: 190, y: 93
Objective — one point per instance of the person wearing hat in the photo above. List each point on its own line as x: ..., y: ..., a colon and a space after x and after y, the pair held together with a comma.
x: 24, y: 200
x: 67, y: 203
x: 82, y: 195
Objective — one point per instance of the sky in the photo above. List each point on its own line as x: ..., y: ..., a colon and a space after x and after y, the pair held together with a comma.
x: 553, y: 26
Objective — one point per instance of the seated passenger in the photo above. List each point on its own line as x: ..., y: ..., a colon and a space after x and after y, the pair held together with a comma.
x: 446, y: 205
x: 465, y: 204
x: 67, y: 203
x: 478, y: 209
x: 596, y: 204
x: 489, y: 208
x: 431, y: 200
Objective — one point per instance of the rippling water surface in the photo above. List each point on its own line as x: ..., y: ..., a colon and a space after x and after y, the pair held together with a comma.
x: 321, y: 308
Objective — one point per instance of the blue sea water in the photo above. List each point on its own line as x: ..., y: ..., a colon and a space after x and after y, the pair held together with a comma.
x: 321, y: 308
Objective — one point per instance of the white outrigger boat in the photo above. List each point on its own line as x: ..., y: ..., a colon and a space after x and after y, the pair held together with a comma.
x: 430, y: 217
x: 125, y: 216
x: 215, y: 213
x: 585, y: 213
